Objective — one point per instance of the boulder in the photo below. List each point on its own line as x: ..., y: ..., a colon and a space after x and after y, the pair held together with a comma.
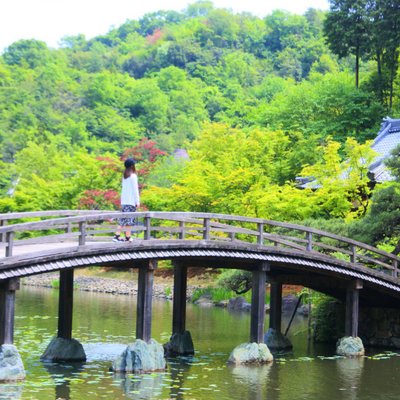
x: 350, y: 346
x: 60, y: 349
x: 276, y: 341
x: 250, y: 353
x: 238, y: 304
x: 289, y: 303
x: 141, y: 357
x: 204, y: 300
x: 180, y: 344
x: 11, y: 366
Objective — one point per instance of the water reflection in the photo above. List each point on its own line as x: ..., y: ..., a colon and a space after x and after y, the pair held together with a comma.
x: 10, y: 391
x: 179, y: 369
x: 350, y: 373
x: 254, y: 378
x: 62, y: 374
x: 106, y: 324
x: 141, y: 386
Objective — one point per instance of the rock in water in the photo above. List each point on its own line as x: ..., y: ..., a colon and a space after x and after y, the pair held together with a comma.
x: 238, y: 304
x: 276, y: 341
x: 350, y: 346
x: 11, y: 367
x: 179, y: 344
x: 141, y: 357
x: 60, y: 349
x: 250, y: 353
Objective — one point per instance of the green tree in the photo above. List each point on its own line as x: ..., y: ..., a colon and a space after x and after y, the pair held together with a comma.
x: 348, y: 29
x: 30, y: 53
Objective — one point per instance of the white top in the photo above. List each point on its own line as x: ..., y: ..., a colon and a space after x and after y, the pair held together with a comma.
x: 130, y: 191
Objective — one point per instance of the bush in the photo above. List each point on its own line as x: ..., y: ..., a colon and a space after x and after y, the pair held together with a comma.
x: 328, y: 316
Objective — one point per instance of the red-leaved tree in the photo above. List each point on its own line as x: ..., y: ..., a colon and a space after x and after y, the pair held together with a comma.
x: 146, y: 153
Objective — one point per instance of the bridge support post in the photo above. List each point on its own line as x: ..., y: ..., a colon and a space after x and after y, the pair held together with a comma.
x: 351, y: 345
x: 352, y: 310
x: 180, y: 343
x: 144, y: 301
x: 179, y: 301
x: 273, y: 337
x: 64, y: 347
x: 275, y: 313
x: 258, y: 305
x: 65, y: 304
x: 11, y: 366
x: 255, y: 352
x: 145, y: 354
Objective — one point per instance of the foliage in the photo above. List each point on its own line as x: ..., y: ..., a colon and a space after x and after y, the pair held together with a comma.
x: 239, y: 281
x: 218, y: 294
x: 343, y: 187
x: 367, y: 28
x: 254, y: 102
x: 252, y: 172
x: 381, y: 224
x: 328, y: 319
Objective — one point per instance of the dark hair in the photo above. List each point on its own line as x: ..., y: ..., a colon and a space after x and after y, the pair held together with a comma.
x: 129, y: 162
x: 129, y: 167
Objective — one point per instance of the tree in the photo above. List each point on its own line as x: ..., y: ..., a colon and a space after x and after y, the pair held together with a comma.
x: 55, y: 179
x: 146, y: 154
x: 381, y: 224
x: 386, y: 32
x: 239, y: 281
x: 31, y: 53
x: 342, y: 187
x: 348, y: 30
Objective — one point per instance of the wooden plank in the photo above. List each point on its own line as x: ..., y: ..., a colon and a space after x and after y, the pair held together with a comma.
x: 65, y: 304
x: 3, y: 222
x: 179, y: 300
x: 10, y: 243
x: 257, y: 316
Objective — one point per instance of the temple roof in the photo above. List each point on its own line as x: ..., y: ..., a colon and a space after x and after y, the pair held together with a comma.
x: 388, y: 138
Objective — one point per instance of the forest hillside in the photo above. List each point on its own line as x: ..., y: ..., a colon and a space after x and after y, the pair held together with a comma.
x: 222, y: 112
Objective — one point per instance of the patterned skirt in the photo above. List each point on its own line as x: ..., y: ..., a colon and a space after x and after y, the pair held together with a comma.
x: 128, y: 221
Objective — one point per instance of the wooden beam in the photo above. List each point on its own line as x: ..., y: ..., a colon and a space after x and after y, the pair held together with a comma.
x: 7, y: 310
x: 352, y: 311
x: 144, y: 300
x: 258, y: 306
x: 179, y: 302
x: 275, y: 313
x: 65, y: 304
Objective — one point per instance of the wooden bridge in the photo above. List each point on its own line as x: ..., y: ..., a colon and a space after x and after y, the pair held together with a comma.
x: 276, y: 252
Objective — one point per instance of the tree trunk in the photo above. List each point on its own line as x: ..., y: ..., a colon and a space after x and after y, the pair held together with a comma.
x: 379, y: 65
x: 357, y: 65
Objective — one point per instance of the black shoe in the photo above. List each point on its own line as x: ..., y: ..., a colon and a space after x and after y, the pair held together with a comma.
x: 117, y: 238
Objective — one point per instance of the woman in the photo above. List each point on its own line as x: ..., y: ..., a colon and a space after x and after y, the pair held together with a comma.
x: 129, y: 201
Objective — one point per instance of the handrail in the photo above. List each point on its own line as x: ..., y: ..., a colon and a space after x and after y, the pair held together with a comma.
x: 50, y: 213
x: 203, y: 226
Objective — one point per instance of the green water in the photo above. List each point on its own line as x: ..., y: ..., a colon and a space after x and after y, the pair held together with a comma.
x: 104, y: 324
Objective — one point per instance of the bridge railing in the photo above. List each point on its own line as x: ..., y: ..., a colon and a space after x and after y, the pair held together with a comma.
x: 83, y: 227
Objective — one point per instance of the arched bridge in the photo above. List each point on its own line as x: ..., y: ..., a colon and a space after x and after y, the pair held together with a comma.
x: 294, y: 254
x: 39, y: 242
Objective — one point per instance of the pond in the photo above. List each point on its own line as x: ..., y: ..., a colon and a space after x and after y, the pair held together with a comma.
x: 104, y: 324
